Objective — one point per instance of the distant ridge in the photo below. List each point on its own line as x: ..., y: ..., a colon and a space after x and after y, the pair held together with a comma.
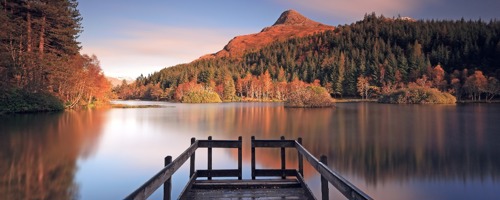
x: 290, y: 24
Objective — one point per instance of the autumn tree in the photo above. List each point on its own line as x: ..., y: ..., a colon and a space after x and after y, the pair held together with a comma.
x: 493, y: 88
x: 437, y: 76
x: 266, y: 84
x: 456, y: 88
x: 391, y: 54
x: 39, y: 53
x: 229, y: 91
x: 475, y: 85
x: 363, y: 86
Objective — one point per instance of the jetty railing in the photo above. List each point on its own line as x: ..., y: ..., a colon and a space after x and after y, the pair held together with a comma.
x: 328, y: 175
x: 164, y: 177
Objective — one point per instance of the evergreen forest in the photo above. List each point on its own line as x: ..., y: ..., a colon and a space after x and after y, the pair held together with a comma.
x: 367, y: 59
x: 41, y: 68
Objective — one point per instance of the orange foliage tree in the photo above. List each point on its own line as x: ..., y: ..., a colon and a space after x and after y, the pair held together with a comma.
x: 81, y: 82
x: 475, y: 85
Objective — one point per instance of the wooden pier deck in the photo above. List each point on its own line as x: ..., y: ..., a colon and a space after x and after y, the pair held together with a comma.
x: 280, y: 183
x: 247, y: 189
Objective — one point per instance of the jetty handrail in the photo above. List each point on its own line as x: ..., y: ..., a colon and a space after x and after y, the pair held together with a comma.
x: 350, y: 191
x: 164, y: 175
x: 345, y: 187
x: 161, y: 177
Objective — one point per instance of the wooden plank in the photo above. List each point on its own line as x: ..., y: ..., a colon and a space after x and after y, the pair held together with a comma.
x: 300, y: 158
x: 345, y: 187
x: 209, y: 162
x: 219, y: 173
x: 283, y: 159
x: 247, y: 189
x: 219, y: 144
x: 240, y: 159
x: 246, y: 184
x: 167, y: 186
x: 273, y: 143
x: 157, y: 180
x: 253, y: 157
x: 255, y: 193
x: 325, y: 195
x: 192, y: 160
x: 275, y: 172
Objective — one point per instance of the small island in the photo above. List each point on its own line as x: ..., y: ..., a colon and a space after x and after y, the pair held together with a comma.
x: 418, y: 95
x: 201, y: 96
x: 309, y: 97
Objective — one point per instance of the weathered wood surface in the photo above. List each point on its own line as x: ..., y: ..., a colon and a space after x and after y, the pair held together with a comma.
x: 247, y: 189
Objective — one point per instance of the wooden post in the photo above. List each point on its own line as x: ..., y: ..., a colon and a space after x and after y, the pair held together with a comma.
x: 240, y: 157
x: 324, y: 183
x: 253, y: 158
x: 301, y: 159
x: 167, y: 186
x: 192, y: 160
x: 283, y: 162
x: 209, y: 167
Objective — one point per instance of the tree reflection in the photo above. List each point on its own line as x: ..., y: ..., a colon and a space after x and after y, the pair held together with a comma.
x: 39, y: 152
x: 378, y: 142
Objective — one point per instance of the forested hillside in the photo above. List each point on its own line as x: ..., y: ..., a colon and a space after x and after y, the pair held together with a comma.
x: 40, y: 64
x: 371, y: 57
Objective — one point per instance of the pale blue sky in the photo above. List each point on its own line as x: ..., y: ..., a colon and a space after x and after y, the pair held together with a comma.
x: 131, y: 37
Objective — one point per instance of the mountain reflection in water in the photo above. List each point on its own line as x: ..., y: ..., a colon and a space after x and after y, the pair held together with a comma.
x: 388, y: 151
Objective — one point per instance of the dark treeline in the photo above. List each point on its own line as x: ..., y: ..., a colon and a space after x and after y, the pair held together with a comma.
x: 383, y: 54
x: 40, y: 59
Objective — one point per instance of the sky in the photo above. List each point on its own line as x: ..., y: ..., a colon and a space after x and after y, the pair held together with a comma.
x: 133, y: 37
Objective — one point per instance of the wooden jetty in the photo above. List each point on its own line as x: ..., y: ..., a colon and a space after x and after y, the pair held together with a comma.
x: 287, y: 183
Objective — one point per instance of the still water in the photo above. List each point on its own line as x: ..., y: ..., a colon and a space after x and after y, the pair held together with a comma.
x: 388, y: 151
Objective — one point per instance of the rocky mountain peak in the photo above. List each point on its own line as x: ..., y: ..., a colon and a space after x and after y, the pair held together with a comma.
x: 292, y: 17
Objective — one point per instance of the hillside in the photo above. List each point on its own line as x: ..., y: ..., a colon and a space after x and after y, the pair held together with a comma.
x: 370, y: 57
x: 290, y: 24
x: 116, y: 81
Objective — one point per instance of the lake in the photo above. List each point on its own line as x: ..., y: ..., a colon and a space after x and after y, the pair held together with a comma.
x: 388, y: 151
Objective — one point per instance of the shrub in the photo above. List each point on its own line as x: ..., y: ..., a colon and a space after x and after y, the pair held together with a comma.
x: 21, y: 101
x: 201, y: 96
x: 418, y: 95
x: 309, y: 97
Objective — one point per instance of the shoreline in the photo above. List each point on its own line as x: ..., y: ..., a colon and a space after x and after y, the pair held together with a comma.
x: 124, y: 106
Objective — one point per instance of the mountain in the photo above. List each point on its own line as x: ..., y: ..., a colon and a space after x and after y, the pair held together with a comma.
x: 116, y: 81
x: 290, y: 24
x: 387, y: 53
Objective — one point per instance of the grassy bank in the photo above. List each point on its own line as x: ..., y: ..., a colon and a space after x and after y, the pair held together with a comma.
x: 20, y: 101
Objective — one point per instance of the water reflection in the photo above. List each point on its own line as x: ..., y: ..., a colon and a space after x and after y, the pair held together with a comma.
x: 383, y: 148
x: 422, y: 152
x: 377, y: 142
x: 38, y: 153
